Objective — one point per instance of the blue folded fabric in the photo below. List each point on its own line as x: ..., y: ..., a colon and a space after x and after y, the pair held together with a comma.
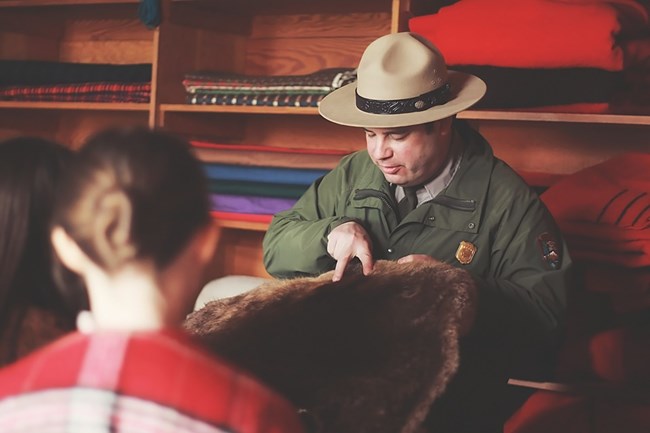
x: 292, y: 176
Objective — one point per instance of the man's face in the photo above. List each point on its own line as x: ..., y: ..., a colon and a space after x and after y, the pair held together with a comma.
x: 410, y: 155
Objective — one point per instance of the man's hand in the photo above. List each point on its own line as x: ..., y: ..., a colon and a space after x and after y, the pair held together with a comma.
x: 418, y: 258
x: 347, y: 241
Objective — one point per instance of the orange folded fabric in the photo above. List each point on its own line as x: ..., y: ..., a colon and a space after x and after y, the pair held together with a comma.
x: 267, y: 156
x: 533, y: 33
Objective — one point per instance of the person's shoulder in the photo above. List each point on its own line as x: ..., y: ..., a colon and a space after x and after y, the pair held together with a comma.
x: 55, y: 364
x: 356, y: 158
x: 239, y: 391
x: 508, y: 181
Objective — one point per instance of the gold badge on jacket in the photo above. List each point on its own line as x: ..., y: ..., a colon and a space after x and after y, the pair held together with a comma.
x: 465, y: 252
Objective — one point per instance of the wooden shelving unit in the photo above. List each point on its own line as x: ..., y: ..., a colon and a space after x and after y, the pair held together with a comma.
x: 262, y: 37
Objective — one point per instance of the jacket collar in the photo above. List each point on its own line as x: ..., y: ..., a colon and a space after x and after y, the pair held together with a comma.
x: 460, y: 206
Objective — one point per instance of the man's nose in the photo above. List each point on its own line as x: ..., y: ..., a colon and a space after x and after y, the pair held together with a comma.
x: 380, y: 148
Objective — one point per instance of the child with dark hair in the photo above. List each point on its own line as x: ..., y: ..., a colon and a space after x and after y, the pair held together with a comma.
x: 32, y: 313
x: 132, y: 219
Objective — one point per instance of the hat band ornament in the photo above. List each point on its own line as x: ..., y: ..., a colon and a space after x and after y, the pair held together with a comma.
x: 438, y: 96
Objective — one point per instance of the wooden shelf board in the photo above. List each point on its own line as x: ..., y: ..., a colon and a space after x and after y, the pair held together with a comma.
x: 538, y: 116
x: 29, y: 3
x: 96, y: 106
x: 528, y: 116
x: 188, y: 108
x: 242, y: 225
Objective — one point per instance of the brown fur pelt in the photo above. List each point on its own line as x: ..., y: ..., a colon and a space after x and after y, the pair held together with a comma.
x: 364, y: 354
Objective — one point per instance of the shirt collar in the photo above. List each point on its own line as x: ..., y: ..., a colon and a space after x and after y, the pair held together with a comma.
x: 431, y: 189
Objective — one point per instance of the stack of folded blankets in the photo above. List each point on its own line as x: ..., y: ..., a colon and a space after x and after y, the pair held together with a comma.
x: 253, y: 182
x: 566, y: 55
x: 22, y: 80
x: 604, y: 213
x: 227, y: 88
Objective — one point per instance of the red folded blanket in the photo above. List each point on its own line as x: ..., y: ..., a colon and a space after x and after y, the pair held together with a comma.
x: 612, y: 193
x: 83, y: 92
x: 533, y: 33
x: 548, y: 411
x: 604, y: 211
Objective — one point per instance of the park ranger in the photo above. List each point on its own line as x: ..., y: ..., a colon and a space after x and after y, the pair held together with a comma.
x: 428, y: 188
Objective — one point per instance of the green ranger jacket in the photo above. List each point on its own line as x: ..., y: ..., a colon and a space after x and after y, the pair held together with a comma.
x: 519, y: 257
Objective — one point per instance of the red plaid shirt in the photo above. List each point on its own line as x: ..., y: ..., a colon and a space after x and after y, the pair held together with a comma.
x: 133, y: 382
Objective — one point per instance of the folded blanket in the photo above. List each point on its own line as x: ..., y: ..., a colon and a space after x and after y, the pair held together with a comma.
x: 293, y: 176
x: 84, y: 97
x: 614, y: 193
x: 533, y: 33
x: 256, y: 99
x: 319, y: 82
x: 239, y: 216
x: 92, y: 91
x: 522, y: 88
x: 250, y: 204
x: 260, y: 189
x: 30, y: 72
x: 633, y: 254
x: 548, y: 411
x: 364, y: 354
x: 268, y: 156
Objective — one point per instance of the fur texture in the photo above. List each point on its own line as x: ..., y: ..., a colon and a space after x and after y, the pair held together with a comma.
x: 365, y: 354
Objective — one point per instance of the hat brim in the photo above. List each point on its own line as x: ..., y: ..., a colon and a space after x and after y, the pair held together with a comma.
x: 340, y: 105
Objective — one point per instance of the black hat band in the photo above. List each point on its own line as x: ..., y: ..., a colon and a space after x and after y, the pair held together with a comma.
x: 438, y: 96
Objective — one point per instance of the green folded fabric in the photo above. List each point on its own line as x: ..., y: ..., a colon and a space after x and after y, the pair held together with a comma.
x: 238, y: 187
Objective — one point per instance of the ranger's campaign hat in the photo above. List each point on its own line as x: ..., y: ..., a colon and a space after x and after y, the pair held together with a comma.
x: 402, y: 80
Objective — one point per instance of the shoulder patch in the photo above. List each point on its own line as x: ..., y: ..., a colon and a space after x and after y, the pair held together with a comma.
x: 550, y: 251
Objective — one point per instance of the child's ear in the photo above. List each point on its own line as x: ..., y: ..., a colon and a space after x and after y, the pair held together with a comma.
x: 208, y: 240
x: 68, y: 251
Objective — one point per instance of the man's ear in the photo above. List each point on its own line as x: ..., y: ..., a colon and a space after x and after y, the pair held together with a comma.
x: 445, y: 125
x: 68, y: 251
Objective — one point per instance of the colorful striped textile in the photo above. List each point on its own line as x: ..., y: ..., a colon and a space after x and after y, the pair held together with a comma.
x: 96, y: 92
x: 321, y: 81
x: 228, y: 88
x: 256, y: 99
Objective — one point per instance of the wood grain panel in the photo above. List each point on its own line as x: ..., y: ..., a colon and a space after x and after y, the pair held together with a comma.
x: 16, y: 46
x: 76, y: 127
x: 221, y: 128
x: 118, y: 52
x: 560, y: 148
x: 38, y: 123
x: 129, y: 28
x: 302, y: 131
x: 302, y: 56
x: 239, y: 252
x: 321, y: 25
x: 286, y: 7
